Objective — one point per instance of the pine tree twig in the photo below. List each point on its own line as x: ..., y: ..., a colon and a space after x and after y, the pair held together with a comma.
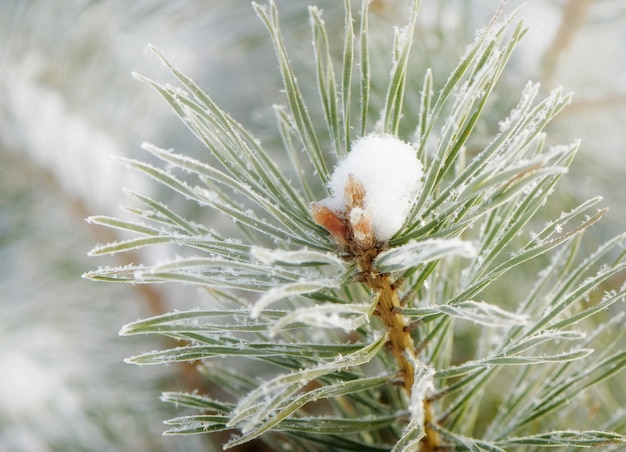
x: 359, y: 238
x: 340, y: 285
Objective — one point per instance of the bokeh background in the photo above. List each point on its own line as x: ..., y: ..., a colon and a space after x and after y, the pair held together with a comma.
x: 68, y: 103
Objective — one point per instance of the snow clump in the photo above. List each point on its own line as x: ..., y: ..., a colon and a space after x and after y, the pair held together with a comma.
x: 390, y: 174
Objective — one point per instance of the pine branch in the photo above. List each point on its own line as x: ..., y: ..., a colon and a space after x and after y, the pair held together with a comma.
x: 350, y: 306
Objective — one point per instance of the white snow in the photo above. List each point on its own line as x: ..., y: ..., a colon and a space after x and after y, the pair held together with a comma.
x: 390, y: 173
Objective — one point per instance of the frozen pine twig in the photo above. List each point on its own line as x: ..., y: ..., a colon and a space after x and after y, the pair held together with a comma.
x: 390, y: 294
x: 373, y: 190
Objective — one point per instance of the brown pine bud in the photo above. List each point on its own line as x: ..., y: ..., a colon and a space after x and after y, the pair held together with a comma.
x: 362, y: 232
x: 330, y: 221
x: 354, y: 193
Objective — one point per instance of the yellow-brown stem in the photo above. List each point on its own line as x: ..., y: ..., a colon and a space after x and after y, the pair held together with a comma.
x: 352, y: 230
x: 402, y: 346
x: 400, y: 340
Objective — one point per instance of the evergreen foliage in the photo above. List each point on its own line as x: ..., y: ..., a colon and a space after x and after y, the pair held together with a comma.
x: 403, y: 344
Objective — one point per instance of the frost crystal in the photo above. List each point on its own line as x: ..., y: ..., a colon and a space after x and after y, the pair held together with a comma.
x: 388, y: 173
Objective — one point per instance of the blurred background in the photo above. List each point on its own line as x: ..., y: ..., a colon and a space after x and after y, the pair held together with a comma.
x: 68, y: 103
